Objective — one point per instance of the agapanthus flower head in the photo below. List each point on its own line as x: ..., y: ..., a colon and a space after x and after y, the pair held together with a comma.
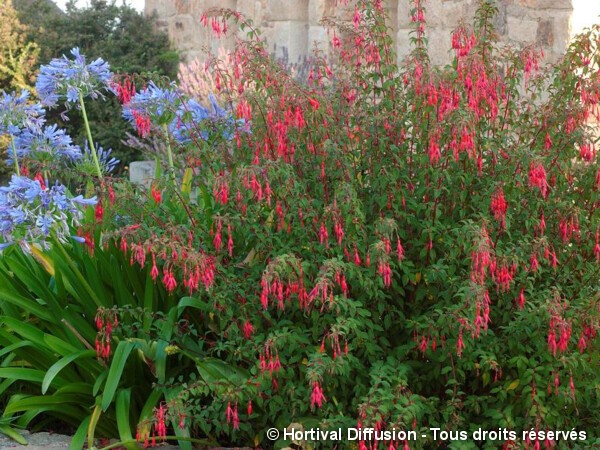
x: 64, y: 79
x: 107, y: 162
x: 49, y: 144
x: 153, y: 102
x: 186, y: 119
x: 30, y: 213
x: 16, y: 112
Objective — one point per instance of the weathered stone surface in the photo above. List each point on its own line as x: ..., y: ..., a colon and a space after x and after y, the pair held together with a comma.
x: 292, y: 26
x: 142, y: 172
x: 521, y: 29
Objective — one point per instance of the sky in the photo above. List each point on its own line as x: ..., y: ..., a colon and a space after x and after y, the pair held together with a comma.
x: 137, y: 4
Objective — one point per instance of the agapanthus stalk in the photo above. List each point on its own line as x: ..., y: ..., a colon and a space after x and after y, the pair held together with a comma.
x: 89, y: 136
x: 169, y: 153
x: 14, y: 150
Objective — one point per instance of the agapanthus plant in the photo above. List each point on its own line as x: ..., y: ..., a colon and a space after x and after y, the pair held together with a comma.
x: 107, y: 163
x: 16, y: 112
x: 72, y: 80
x: 67, y: 80
x: 45, y: 146
x: 184, y: 120
x: 31, y: 212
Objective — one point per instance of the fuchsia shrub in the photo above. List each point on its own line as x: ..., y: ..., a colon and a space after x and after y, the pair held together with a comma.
x: 395, y: 247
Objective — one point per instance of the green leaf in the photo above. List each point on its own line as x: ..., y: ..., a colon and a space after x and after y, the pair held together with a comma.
x: 13, y: 434
x: 22, y: 374
x: 122, y: 352
x: 513, y: 385
x: 78, y: 440
x: 123, y: 407
x: 61, y: 364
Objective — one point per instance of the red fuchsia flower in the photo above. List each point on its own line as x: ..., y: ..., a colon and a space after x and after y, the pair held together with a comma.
x: 317, y: 398
x: 229, y: 240
x: 169, y: 280
x: 385, y: 271
x: 142, y: 123
x: 534, y: 264
x: 229, y: 412
x: 434, y: 150
x: 423, y: 346
x: 357, y: 260
x: 399, y: 250
x: 111, y: 195
x: 582, y: 344
x: 537, y: 178
x: 460, y: 345
x: 499, y: 207
x: 99, y: 212
x: 248, y: 329
x: 154, y: 270
x: 249, y: 408
x: 597, y: 247
x: 156, y: 194
x: 160, y: 427
x: 521, y: 299
x: 547, y: 142
x: 356, y: 18
x: 587, y: 152
x: 542, y: 224
x: 217, y: 241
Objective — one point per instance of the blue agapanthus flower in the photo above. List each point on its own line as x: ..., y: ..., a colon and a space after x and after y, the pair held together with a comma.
x: 186, y: 119
x: 31, y: 213
x: 17, y: 112
x: 107, y: 162
x: 46, y: 145
x: 65, y: 79
x: 153, y: 101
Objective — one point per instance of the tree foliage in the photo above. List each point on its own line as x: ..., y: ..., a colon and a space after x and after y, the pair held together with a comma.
x: 18, y: 58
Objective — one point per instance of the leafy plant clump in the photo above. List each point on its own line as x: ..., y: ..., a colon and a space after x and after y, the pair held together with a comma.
x: 385, y: 246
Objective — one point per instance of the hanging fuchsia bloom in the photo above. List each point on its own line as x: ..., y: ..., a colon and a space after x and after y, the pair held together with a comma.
x: 499, y: 207
x: 317, y: 397
x: 248, y: 329
x: 460, y: 345
x: 521, y: 299
x: 229, y: 412
x: 169, y: 280
x: 217, y: 240
x: 160, y: 426
x: 597, y: 247
x: 229, y: 240
x: 399, y: 250
x: 537, y: 178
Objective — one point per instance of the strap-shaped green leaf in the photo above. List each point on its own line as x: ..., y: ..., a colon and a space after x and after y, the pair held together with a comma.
x: 120, y: 357
x: 61, y: 364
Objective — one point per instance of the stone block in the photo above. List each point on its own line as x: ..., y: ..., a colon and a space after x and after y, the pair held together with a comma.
x: 521, y: 29
x: 545, y: 4
x: 142, y: 172
x: 296, y: 10
x: 545, y: 33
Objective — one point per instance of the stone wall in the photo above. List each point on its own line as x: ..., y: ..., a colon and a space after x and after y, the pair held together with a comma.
x: 293, y: 27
